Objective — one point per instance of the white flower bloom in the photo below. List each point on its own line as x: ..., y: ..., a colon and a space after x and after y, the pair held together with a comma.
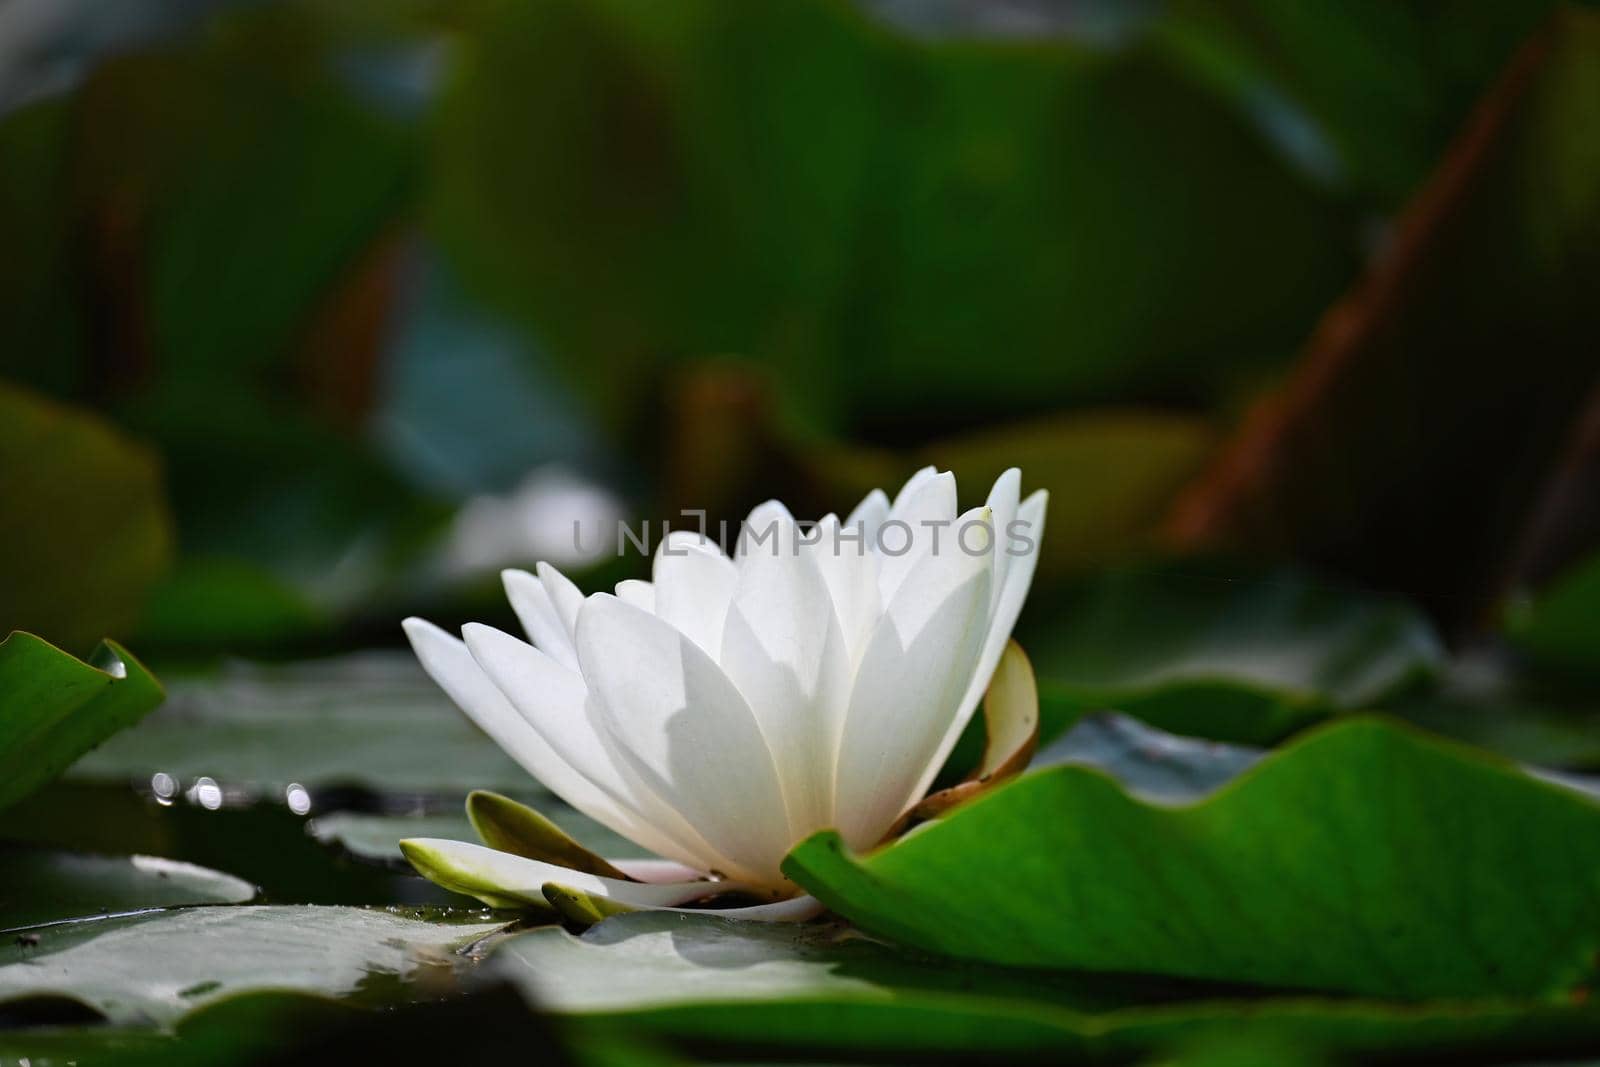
x: 731, y: 707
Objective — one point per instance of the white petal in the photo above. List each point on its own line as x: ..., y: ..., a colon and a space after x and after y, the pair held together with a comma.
x: 450, y: 664
x: 784, y: 650
x: 567, y: 597
x: 694, y: 585
x: 1003, y: 497
x: 537, y: 613
x: 908, y: 689
x: 1007, y: 606
x: 553, y: 701
x: 687, y: 732
x: 851, y: 572
x: 762, y: 530
x: 921, y: 522
x: 869, y: 514
x: 466, y: 865
x: 641, y: 595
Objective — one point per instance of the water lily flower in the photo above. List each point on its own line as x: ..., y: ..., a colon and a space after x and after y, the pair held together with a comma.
x: 724, y: 711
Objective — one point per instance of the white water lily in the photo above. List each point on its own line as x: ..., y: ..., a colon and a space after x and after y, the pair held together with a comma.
x: 731, y: 707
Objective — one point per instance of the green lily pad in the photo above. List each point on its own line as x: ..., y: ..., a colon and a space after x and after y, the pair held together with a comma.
x: 1364, y: 858
x: 44, y: 885
x: 815, y: 989
x: 371, y: 720
x: 56, y: 707
x: 1247, y: 660
x: 152, y: 969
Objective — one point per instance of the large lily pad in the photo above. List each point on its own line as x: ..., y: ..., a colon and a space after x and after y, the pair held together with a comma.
x: 46, y: 885
x: 151, y: 969
x: 1194, y: 650
x: 812, y: 988
x: 56, y: 707
x: 1365, y: 858
x: 372, y: 720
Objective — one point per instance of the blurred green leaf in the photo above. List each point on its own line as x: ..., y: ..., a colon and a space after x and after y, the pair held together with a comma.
x: 42, y: 324
x: 83, y: 520
x: 372, y: 720
x: 1560, y: 629
x: 1433, y: 403
x: 898, y: 227
x: 1368, y: 92
x: 154, y: 968
x: 1386, y: 850
x: 55, y: 707
x: 787, y: 989
x: 1247, y: 659
x: 44, y: 886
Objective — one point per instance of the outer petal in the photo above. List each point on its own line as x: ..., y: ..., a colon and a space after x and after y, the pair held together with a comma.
x: 921, y: 522
x: 694, y: 584
x: 450, y: 664
x: 1007, y: 606
x: 537, y: 613
x: 785, y: 652
x: 500, y: 877
x: 553, y: 700
x: 908, y: 689
x: 684, y: 728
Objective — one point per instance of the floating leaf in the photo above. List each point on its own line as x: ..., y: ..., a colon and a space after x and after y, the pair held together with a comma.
x: 742, y: 985
x: 46, y: 886
x: 1416, y: 868
x: 370, y: 719
x: 151, y: 969
x: 55, y: 707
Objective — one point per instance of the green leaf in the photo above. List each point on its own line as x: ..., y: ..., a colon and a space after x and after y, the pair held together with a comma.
x: 1193, y: 650
x: 1559, y: 630
x: 83, y: 518
x: 57, y: 707
x: 715, y: 982
x: 1385, y: 849
x: 152, y: 969
x: 46, y: 886
x: 372, y: 719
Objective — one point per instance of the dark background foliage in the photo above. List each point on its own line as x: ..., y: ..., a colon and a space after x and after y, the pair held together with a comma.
x: 316, y: 315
